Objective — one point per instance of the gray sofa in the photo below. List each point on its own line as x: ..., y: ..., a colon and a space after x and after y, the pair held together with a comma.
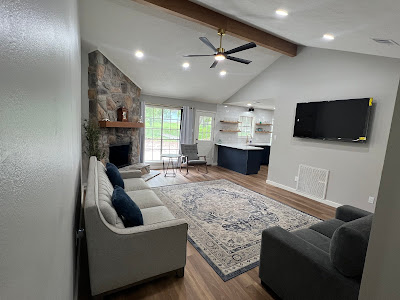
x: 324, y: 261
x: 119, y: 256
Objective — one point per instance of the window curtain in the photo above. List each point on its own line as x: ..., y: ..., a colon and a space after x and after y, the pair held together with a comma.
x: 187, y: 125
x: 141, y: 131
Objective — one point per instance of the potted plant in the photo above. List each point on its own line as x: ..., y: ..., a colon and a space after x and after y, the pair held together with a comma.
x: 92, y: 134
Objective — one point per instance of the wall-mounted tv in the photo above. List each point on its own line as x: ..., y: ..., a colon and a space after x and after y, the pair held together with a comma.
x: 339, y: 120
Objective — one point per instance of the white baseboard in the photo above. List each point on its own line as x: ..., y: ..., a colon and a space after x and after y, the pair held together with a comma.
x: 289, y: 189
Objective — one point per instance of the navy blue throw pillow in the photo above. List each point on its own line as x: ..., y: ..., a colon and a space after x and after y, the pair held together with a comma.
x: 126, y: 209
x: 114, y: 175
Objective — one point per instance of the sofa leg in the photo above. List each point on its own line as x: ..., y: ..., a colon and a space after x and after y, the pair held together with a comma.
x: 180, y: 272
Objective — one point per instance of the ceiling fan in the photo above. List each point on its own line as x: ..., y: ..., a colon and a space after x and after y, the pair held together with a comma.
x: 220, y: 53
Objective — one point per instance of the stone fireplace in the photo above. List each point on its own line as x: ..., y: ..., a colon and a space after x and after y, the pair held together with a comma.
x: 110, y: 89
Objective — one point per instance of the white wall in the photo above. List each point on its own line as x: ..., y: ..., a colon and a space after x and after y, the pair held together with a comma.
x: 382, y: 267
x: 316, y: 75
x: 233, y: 113
x: 178, y: 102
x: 39, y: 147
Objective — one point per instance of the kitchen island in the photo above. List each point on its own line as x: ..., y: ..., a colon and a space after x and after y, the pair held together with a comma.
x: 243, y: 159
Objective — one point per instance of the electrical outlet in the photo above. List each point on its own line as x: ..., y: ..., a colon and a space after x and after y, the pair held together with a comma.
x: 371, y: 200
x: 296, y: 178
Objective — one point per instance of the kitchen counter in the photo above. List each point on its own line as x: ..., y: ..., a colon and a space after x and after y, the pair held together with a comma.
x: 240, y: 146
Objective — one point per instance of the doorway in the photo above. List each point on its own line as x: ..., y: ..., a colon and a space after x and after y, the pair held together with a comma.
x: 204, y: 133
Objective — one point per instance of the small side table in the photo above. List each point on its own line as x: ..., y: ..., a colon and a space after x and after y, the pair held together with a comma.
x: 172, y: 164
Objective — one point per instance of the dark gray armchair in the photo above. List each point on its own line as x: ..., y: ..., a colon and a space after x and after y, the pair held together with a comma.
x: 324, y: 261
x: 190, y: 157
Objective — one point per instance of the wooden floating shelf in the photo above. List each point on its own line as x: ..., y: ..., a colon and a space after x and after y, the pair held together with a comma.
x: 230, y: 122
x: 263, y: 124
x: 263, y: 131
x: 222, y: 130
x: 110, y: 124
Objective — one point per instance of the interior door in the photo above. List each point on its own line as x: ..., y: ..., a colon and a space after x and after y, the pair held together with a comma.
x: 204, y: 133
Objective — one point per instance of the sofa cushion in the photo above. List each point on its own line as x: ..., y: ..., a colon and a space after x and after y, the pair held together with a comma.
x: 110, y: 214
x: 156, y: 214
x: 349, y: 246
x: 134, y: 184
x: 126, y: 208
x: 328, y: 227
x: 145, y: 198
x: 105, y: 188
x: 114, y: 175
x: 314, y: 238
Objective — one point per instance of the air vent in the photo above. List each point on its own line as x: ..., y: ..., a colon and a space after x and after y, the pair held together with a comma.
x: 386, y: 42
x: 312, y: 181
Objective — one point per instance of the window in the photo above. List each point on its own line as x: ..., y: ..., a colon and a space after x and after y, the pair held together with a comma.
x: 205, y: 128
x: 162, y: 132
x: 246, y: 126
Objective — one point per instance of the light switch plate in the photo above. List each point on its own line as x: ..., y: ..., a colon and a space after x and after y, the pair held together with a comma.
x: 371, y: 200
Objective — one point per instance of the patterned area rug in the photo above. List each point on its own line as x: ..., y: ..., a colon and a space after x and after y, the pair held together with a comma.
x: 226, y: 220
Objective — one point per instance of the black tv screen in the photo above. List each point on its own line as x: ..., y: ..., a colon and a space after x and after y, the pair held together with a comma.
x: 343, y: 120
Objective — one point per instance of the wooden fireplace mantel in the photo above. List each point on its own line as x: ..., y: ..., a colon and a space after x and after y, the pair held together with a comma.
x: 110, y: 124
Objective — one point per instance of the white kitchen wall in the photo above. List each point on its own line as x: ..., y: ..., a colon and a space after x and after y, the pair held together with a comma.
x: 233, y: 113
x: 40, y: 148
x: 317, y: 75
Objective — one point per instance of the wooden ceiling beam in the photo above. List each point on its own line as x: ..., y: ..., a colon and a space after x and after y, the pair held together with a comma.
x: 205, y: 16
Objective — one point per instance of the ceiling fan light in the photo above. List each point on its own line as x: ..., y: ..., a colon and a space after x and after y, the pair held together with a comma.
x: 219, y: 57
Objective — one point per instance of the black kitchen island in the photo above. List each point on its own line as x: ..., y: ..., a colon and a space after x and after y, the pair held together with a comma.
x: 240, y: 158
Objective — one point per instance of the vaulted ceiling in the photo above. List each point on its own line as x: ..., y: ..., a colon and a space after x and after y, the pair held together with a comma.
x: 353, y: 22
x: 120, y: 27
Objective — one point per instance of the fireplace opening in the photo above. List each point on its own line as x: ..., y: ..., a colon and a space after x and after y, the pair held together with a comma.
x: 119, y: 155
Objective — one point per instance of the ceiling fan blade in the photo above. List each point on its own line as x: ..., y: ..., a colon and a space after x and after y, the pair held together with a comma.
x: 198, y: 55
x: 214, y: 64
x: 241, y: 60
x: 208, y: 43
x: 241, y: 48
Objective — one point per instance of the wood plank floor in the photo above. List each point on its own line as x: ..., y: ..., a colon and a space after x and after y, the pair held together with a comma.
x: 200, y: 281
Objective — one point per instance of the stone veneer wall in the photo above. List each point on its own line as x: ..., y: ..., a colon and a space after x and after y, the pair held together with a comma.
x: 110, y: 89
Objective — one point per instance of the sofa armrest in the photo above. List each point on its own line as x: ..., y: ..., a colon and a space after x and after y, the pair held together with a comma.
x: 296, y: 269
x: 130, y: 174
x: 349, y: 213
x: 120, y: 257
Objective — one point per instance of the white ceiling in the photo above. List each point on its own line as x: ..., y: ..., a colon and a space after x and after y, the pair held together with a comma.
x: 119, y: 27
x: 353, y: 22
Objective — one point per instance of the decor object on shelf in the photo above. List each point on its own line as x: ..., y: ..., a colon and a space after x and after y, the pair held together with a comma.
x: 120, y: 257
x: 122, y: 114
x: 328, y: 256
x: 92, y: 135
x: 234, y: 215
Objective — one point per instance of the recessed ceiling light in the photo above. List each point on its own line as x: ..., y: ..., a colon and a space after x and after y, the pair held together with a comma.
x: 185, y: 65
x: 281, y: 12
x: 329, y: 37
x: 248, y: 104
x: 225, y: 105
x: 222, y: 73
x: 139, y: 54
x: 219, y: 57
